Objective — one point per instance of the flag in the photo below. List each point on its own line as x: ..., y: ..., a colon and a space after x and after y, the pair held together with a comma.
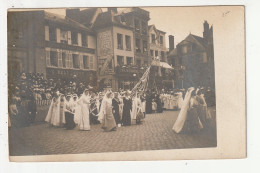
x: 142, y: 84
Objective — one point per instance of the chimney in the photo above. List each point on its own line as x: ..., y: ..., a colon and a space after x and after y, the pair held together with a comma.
x: 112, y: 9
x: 206, y: 29
x: 171, y: 43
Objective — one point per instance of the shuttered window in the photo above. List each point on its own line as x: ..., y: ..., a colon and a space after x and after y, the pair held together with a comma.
x: 59, y: 53
x: 47, y: 35
x: 80, y: 61
x: 48, y: 61
x: 91, y: 62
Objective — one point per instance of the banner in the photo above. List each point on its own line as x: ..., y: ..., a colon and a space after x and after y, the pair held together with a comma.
x: 141, y: 86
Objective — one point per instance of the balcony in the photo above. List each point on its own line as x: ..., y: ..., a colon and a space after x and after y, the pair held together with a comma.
x: 126, y: 70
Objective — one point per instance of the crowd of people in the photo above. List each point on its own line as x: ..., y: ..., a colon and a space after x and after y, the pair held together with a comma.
x: 74, y: 104
x: 110, y: 109
x: 27, y: 88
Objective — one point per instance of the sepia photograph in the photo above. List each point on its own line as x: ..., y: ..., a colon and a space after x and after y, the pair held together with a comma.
x: 113, y: 79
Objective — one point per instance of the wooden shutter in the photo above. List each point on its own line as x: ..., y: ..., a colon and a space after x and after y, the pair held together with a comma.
x: 81, y: 61
x: 67, y: 60
x: 59, y: 54
x: 79, y: 39
x: 69, y: 37
x: 91, y: 62
x: 58, y: 35
x: 70, y: 60
x: 48, y: 60
x: 47, y: 34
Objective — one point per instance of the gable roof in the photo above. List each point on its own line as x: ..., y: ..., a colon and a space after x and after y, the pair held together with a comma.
x: 201, y: 40
x: 107, y: 19
x: 64, y: 20
x: 156, y: 30
x: 87, y: 15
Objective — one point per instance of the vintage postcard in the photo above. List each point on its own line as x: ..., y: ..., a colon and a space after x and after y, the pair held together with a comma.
x: 133, y: 83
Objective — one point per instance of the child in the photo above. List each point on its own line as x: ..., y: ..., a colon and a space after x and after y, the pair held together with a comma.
x: 154, y: 106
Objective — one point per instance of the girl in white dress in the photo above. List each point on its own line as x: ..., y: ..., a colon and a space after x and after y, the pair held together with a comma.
x: 83, y: 111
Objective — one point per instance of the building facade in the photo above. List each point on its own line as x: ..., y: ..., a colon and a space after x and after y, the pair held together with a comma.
x: 157, y: 43
x: 193, y: 60
x: 53, y: 45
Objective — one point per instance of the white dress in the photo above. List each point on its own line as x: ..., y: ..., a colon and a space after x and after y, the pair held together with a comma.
x: 83, y: 114
x: 179, y: 123
x: 136, y: 105
x: 180, y: 100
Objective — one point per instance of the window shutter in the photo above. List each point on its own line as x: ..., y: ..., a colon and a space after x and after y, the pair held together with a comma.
x: 67, y: 60
x: 79, y: 39
x: 47, y: 34
x: 69, y: 37
x: 58, y: 35
x: 70, y: 60
x: 81, y: 61
x: 91, y: 63
x: 48, y: 60
x: 59, y: 54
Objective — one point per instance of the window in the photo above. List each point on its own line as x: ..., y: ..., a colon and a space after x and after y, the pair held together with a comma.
x: 180, y: 61
x: 54, y: 58
x: 161, y: 40
x: 119, y: 41
x: 91, y: 62
x: 153, y: 38
x: 137, y: 25
x: 162, y: 54
x: 75, y: 59
x: 85, y: 62
x: 64, y: 37
x: 151, y: 52
x: 110, y: 65
x: 138, y: 62
x: 138, y: 46
x: 129, y: 60
x: 120, y: 60
x: 184, y: 49
x: 144, y: 46
x: 63, y: 59
x: 128, y: 42
x: 84, y: 40
x: 74, y: 38
x: 52, y: 33
x: 144, y: 30
x: 204, y: 57
x: 156, y: 53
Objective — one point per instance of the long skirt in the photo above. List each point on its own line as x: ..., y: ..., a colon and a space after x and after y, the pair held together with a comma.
x: 126, y: 118
x: 84, y: 123
x: 109, y: 123
x: 69, y: 118
x: 193, y: 123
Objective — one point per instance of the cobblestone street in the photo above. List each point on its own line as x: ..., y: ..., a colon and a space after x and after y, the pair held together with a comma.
x: 154, y: 134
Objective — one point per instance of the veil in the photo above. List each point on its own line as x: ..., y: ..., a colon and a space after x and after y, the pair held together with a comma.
x: 179, y: 123
x: 102, y: 110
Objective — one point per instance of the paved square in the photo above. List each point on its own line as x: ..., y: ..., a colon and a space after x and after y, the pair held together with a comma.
x: 154, y: 134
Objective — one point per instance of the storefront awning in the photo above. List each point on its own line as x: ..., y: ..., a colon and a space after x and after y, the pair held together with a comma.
x: 161, y: 64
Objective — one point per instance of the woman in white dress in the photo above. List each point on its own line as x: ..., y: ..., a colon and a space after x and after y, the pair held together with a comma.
x: 53, y: 110
x: 82, y: 116
x: 59, y: 116
x: 180, y: 100
x: 136, y: 106
x: 179, y: 123
x: 107, y: 119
